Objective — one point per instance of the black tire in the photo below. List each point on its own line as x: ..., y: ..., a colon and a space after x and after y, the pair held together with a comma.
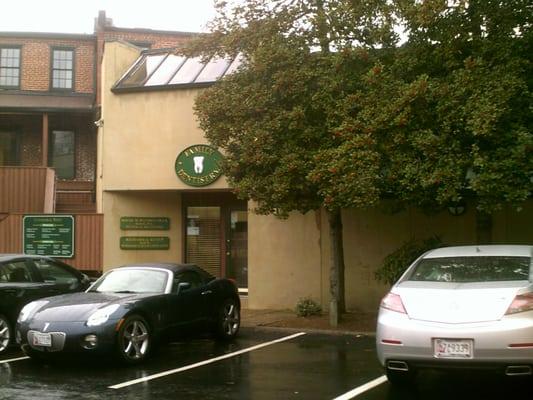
x: 228, y: 320
x: 401, y: 378
x: 134, y: 340
x: 6, y: 334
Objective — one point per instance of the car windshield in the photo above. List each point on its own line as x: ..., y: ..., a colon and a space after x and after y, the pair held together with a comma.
x: 472, y: 269
x: 133, y: 281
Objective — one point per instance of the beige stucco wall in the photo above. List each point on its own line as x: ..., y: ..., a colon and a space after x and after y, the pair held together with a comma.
x: 115, y: 63
x: 284, y: 262
x: 141, y: 204
x: 138, y: 142
x: 510, y: 226
x: 370, y: 235
x: 144, y: 132
x: 288, y: 259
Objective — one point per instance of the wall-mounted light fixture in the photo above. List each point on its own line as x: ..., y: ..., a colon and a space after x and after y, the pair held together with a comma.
x: 457, y: 208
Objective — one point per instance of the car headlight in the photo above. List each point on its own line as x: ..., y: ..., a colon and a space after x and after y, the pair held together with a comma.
x: 30, y: 309
x: 102, y: 315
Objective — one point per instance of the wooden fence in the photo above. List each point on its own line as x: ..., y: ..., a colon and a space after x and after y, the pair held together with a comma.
x: 27, y: 189
x: 88, y: 239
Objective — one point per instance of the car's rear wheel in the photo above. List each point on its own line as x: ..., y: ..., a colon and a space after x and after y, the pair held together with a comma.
x: 6, y: 333
x: 134, y: 340
x: 228, y: 320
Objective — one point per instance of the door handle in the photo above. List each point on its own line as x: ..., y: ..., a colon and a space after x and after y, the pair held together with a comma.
x: 10, y: 291
x: 207, y: 292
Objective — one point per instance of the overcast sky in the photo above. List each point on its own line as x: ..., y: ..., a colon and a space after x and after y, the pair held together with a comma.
x: 77, y: 16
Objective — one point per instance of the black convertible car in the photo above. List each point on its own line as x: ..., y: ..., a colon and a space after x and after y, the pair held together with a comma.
x: 128, y: 310
x: 25, y: 278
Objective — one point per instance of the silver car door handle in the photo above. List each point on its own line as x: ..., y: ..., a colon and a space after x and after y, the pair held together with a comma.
x: 207, y: 292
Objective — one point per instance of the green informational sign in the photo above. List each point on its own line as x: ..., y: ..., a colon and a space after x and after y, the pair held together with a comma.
x: 145, y: 223
x: 48, y: 235
x: 144, y: 243
x: 199, y: 165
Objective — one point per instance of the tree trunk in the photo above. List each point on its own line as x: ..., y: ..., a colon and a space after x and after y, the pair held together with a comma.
x: 322, y: 27
x: 336, y: 278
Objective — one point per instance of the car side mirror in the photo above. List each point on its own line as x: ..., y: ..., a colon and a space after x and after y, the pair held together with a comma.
x: 183, y: 286
x: 85, y: 281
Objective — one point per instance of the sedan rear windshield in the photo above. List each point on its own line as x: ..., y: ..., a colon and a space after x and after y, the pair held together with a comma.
x: 472, y: 269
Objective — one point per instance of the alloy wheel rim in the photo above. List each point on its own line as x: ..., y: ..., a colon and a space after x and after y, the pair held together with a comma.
x: 136, y: 340
x: 231, y: 319
x: 4, y: 334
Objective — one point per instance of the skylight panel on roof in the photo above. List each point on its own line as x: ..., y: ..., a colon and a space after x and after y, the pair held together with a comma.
x: 188, y: 71
x: 214, y: 69
x: 145, y: 68
x: 235, y: 64
x: 166, y: 70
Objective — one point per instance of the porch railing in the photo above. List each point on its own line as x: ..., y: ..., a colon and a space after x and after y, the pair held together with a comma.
x: 27, y: 189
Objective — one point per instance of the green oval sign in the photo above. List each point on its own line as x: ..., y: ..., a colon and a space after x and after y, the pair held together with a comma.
x: 199, y: 165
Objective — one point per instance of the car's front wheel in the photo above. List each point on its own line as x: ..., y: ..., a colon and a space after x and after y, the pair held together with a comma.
x: 6, y: 333
x: 229, y: 320
x: 134, y: 340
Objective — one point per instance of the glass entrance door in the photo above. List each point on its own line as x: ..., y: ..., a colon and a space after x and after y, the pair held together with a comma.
x: 237, y: 248
x: 216, y: 235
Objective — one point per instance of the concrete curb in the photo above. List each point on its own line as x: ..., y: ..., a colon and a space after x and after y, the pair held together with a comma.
x: 307, y: 330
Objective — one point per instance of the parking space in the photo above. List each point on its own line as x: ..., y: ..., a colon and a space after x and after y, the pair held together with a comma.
x: 258, y: 365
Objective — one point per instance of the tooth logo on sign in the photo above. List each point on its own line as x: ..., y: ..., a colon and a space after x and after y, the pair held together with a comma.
x: 199, y: 165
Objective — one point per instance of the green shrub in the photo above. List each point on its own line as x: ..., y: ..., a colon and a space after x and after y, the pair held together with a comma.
x: 397, y: 262
x: 307, y: 307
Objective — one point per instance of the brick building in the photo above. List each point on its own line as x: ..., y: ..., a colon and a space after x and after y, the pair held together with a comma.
x: 49, y: 102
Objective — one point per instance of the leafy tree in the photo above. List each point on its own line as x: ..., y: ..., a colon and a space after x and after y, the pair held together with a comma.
x: 277, y: 118
x: 457, y: 120
x: 395, y: 264
x: 329, y: 112
x: 448, y: 115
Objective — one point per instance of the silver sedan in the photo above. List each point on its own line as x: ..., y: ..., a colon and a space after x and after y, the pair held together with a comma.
x: 460, y: 307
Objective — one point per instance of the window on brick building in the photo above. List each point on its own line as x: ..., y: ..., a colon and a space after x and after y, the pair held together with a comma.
x: 9, y: 148
x: 62, y: 68
x: 9, y: 66
x: 61, y: 154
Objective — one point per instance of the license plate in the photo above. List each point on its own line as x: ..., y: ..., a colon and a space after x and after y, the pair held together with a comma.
x: 453, y: 348
x: 42, y: 339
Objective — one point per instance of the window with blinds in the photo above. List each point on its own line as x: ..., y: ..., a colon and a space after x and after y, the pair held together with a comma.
x: 203, y: 238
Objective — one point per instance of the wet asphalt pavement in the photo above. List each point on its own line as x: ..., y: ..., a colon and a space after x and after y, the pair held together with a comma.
x: 304, y: 367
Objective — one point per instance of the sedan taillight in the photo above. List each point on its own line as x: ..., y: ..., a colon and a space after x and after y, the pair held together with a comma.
x: 393, y: 302
x: 521, y: 303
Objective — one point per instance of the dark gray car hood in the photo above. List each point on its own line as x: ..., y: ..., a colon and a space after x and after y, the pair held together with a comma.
x: 78, y: 307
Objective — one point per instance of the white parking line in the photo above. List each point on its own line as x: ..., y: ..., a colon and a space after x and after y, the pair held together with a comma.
x: 361, y: 389
x: 13, y: 360
x: 202, y: 363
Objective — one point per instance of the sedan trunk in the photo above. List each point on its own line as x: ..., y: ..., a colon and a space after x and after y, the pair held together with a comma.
x: 457, y: 303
